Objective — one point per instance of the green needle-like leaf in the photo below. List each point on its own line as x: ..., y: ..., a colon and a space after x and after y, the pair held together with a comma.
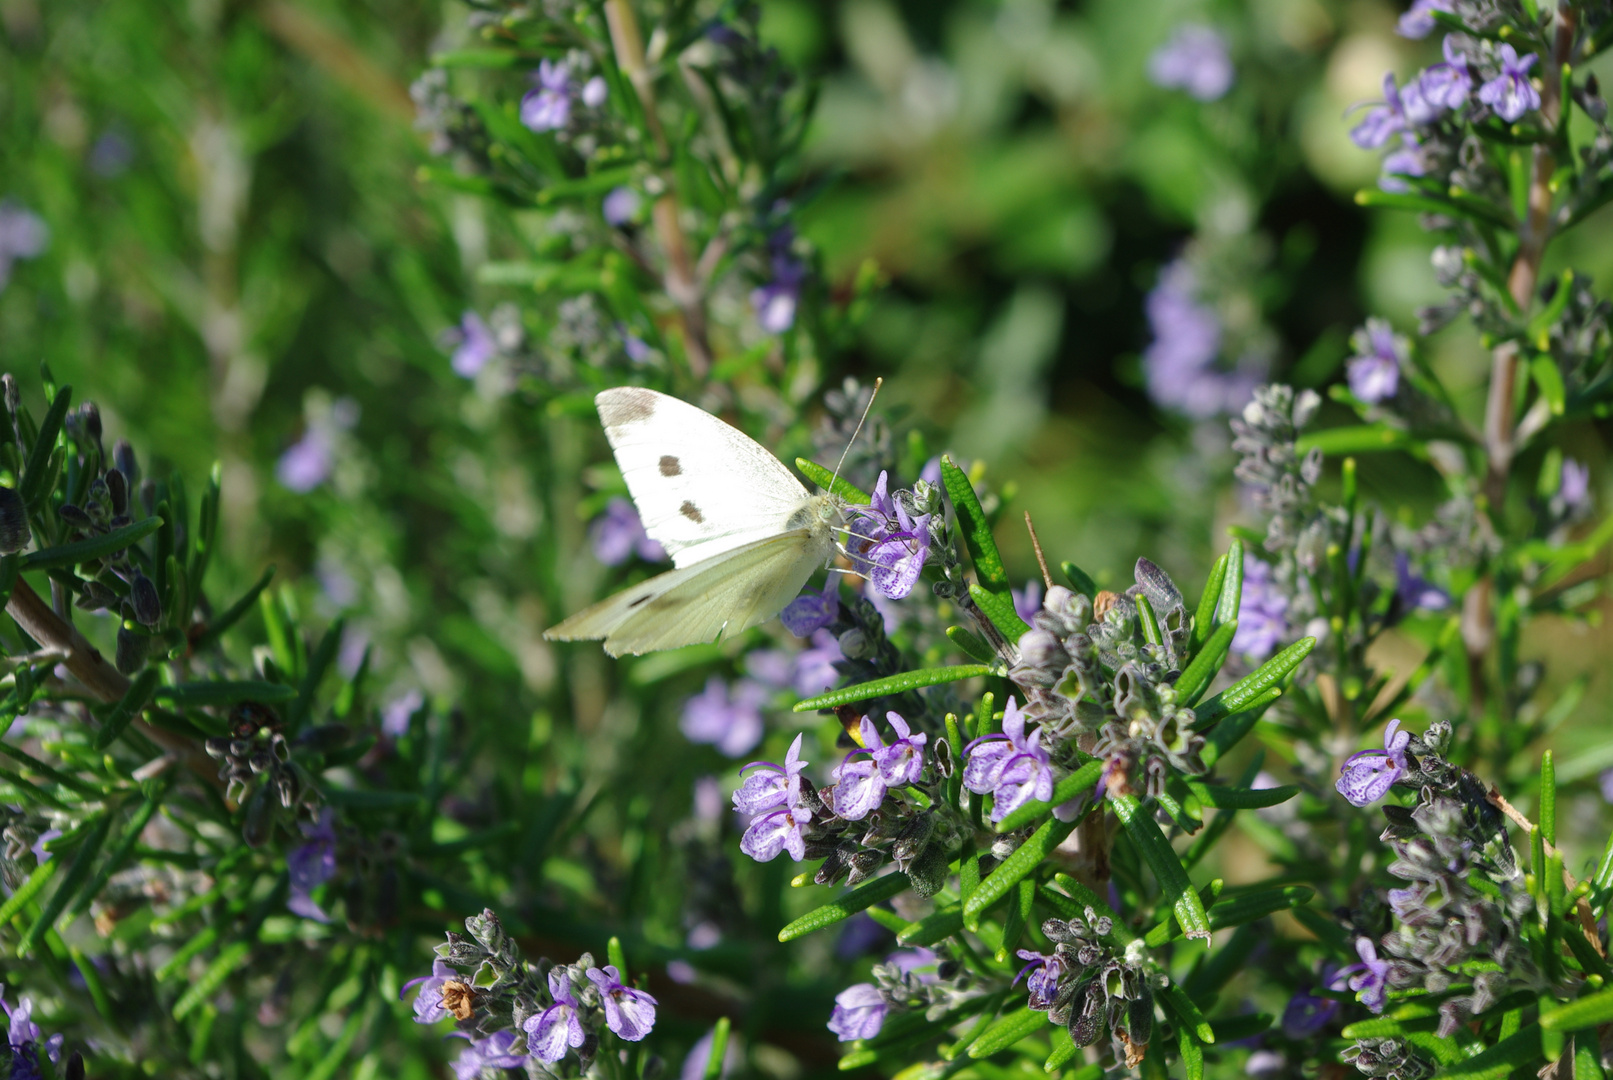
x: 894, y: 684
x: 828, y: 481
x: 863, y: 896
x: 975, y: 528
x: 1006, y: 1032
x: 1201, y: 672
x: 1077, y: 783
x: 95, y: 547
x: 1156, y: 852
x: 1026, y: 858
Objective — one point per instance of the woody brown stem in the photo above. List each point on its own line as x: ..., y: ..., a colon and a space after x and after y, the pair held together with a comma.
x: 1587, y: 921
x: 681, y: 282
x: 1500, y: 435
x: 86, y: 664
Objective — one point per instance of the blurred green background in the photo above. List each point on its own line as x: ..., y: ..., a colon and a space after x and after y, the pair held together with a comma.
x: 242, y: 253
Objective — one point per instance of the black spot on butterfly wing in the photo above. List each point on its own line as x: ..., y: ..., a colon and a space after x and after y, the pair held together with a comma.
x: 692, y: 512
x: 670, y: 466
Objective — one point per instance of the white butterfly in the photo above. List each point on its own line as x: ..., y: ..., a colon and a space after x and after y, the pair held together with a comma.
x: 744, y: 535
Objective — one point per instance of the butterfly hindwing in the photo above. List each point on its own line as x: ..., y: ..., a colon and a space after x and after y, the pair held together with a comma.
x: 701, y: 486
x: 726, y: 594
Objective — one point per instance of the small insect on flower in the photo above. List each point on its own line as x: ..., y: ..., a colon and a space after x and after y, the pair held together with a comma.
x: 460, y: 999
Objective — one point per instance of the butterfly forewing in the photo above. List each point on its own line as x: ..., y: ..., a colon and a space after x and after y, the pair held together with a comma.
x: 702, y: 487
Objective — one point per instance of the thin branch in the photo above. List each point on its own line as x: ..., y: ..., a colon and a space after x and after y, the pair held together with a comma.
x: 86, y: 664
x: 1036, y: 545
x: 681, y: 283
x: 1587, y: 921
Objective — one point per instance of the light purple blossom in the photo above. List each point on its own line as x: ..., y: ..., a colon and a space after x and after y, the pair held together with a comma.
x: 1415, y: 591
x: 1027, y: 601
x: 1011, y: 766
x: 1194, y: 60
x: 1380, y: 353
x: 1383, y: 121
x: 594, y: 92
x: 1510, y: 93
x: 1448, y: 84
x: 308, y: 462
x: 1262, y: 611
x: 1574, y: 484
x: 620, y: 205
x: 1306, y: 1014
x: 494, y: 1052
x: 859, y: 1012
x: 1409, y: 160
x: 550, y: 1032
x: 25, y: 1038
x: 889, y: 545
x: 311, y: 864
x: 694, y: 1065
x: 1370, y: 978
x: 775, y: 302
x: 1041, y: 977
x: 395, y: 716
x: 1417, y: 22
x: 637, y: 349
x: 815, y: 669
x: 475, y: 348
x: 111, y: 155
x: 1605, y: 781
x: 812, y: 611
x: 773, y: 794
x: 629, y: 1013
x: 23, y: 235
x: 1367, y: 776
x: 618, y: 534
x: 428, y: 1007
x: 41, y: 852
x: 724, y: 716
x: 1179, y: 364
x: 547, y: 106
x: 863, y: 780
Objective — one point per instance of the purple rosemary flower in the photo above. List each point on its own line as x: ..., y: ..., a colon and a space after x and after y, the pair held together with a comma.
x: 23, y: 235
x: 311, y: 864
x: 1043, y: 978
x: 863, y: 781
x: 1367, y: 776
x: 727, y: 717
x: 308, y: 462
x: 1194, y: 60
x: 812, y: 611
x: 428, y: 1007
x: 1383, y: 121
x: 775, y: 302
x: 594, y: 92
x: 493, y: 1052
x: 25, y: 1037
x: 111, y: 155
x: 620, y: 205
x: 815, y: 670
x: 1027, y: 601
x: 773, y: 794
x: 1374, y: 371
x: 637, y: 349
x: 1447, y: 84
x: 1510, y: 93
x: 475, y: 346
x: 1011, y: 766
x: 1179, y: 364
x: 1409, y: 160
x: 1262, y: 611
x: 550, y: 1032
x: 1605, y: 782
x: 1370, y: 978
x: 395, y: 716
x: 1574, y: 484
x: 618, y: 534
x: 41, y: 852
x: 1418, y: 22
x: 889, y: 544
x: 547, y: 106
x: 1415, y: 591
x: 859, y: 1012
x: 1305, y: 1015
x: 629, y: 1013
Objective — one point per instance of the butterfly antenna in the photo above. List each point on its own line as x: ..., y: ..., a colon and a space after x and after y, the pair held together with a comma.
x: 878, y: 382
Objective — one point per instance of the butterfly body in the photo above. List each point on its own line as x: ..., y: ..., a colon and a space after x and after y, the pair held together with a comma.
x: 743, y: 533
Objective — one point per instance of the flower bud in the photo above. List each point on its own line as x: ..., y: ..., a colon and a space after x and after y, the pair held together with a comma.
x: 147, y: 605
x: 259, y: 823
x: 14, y: 534
x: 117, y: 491
x: 127, y: 464
x: 132, y: 649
